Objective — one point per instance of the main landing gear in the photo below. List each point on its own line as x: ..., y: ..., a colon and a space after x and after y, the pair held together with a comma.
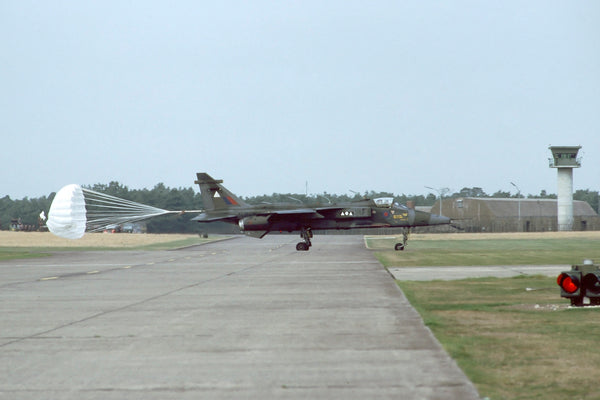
x: 305, y: 234
x: 401, y: 246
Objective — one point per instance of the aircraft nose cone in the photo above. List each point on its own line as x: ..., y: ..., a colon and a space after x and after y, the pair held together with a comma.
x: 438, y: 220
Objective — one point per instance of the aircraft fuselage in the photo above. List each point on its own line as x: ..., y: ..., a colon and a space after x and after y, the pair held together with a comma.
x: 258, y: 220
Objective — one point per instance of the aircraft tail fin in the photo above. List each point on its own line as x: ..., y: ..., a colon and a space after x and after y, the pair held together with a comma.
x: 215, y: 196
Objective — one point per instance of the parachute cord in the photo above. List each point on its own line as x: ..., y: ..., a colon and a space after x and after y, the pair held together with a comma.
x: 103, y: 211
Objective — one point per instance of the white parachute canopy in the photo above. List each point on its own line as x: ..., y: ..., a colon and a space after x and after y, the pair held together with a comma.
x: 76, y: 210
x: 67, y: 213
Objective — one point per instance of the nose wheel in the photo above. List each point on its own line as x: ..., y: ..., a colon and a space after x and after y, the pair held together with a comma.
x: 305, y: 234
x: 401, y: 246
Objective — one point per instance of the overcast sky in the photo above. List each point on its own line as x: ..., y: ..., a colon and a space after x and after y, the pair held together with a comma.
x: 387, y: 96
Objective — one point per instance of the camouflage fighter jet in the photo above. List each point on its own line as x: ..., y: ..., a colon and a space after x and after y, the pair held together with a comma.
x: 258, y: 220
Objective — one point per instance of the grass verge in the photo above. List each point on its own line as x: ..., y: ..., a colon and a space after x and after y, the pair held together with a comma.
x: 11, y: 253
x: 164, y: 243
x: 511, y: 341
x: 499, y: 250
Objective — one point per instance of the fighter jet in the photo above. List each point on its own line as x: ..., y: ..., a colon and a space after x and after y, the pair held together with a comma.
x: 258, y: 220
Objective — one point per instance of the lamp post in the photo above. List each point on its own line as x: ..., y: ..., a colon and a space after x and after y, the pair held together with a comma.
x: 441, y: 192
x: 519, y: 197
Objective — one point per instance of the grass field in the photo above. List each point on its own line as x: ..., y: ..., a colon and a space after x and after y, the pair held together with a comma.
x: 511, y: 341
x: 515, y: 338
x: 488, y: 249
x: 38, y: 244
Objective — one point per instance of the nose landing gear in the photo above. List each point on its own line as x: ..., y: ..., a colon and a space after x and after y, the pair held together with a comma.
x: 401, y: 246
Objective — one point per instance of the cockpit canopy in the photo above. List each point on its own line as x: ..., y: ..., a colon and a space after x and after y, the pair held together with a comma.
x: 387, y: 202
x: 384, y: 202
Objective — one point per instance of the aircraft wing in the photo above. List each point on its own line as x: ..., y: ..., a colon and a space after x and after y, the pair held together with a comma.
x: 313, y: 213
x: 300, y: 212
x: 207, y: 218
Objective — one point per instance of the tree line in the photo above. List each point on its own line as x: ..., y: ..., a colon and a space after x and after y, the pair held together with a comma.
x: 25, y: 212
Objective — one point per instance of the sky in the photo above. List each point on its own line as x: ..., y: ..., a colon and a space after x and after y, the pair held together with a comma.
x: 296, y: 96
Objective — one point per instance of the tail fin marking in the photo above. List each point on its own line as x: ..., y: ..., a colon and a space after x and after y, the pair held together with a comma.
x: 214, y: 195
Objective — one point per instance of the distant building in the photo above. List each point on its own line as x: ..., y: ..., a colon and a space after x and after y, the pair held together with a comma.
x: 474, y: 214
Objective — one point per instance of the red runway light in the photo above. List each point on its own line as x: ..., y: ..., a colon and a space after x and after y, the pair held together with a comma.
x: 567, y: 283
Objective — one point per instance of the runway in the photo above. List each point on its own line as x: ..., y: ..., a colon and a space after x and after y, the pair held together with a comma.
x: 242, y: 318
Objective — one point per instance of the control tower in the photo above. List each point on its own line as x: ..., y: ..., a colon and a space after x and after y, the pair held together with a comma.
x: 564, y: 159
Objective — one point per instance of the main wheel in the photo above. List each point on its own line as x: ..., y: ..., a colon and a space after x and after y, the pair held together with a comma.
x: 302, y: 246
x: 399, y: 246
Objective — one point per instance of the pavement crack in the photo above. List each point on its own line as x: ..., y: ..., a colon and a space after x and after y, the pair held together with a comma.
x: 135, y: 304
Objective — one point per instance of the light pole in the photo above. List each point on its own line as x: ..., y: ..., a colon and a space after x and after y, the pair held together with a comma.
x: 519, y: 197
x: 441, y: 193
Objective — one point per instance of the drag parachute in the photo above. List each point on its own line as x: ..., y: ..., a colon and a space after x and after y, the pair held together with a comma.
x: 67, y: 213
x: 76, y: 210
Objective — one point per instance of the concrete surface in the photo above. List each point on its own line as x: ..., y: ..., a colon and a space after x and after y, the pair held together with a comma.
x: 498, y: 271
x: 243, y: 318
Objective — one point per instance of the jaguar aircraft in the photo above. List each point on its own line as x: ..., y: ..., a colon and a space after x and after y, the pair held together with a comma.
x: 258, y: 220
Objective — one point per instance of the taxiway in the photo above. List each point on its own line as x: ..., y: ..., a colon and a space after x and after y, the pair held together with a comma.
x: 241, y: 318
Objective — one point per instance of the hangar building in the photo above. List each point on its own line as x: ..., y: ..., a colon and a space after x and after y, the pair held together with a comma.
x: 474, y: 214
